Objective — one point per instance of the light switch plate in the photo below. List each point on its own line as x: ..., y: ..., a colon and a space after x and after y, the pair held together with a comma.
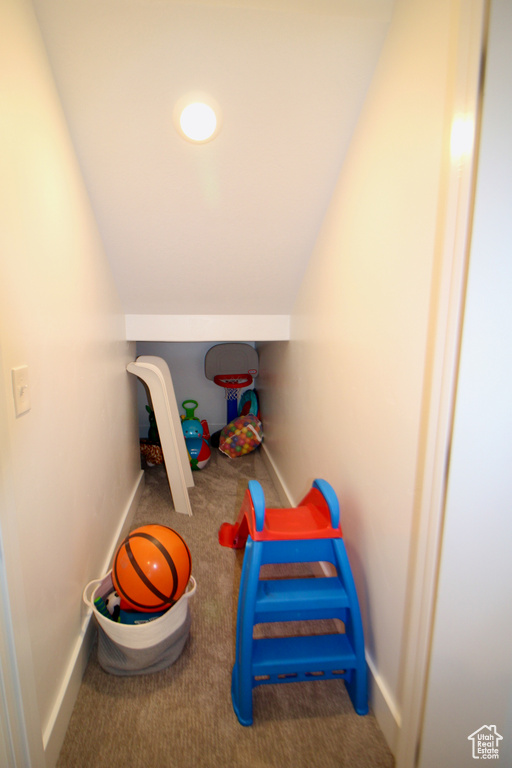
x: 20, y: 390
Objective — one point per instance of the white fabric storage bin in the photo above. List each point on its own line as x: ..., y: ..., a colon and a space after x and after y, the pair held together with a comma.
x: 125, y: 649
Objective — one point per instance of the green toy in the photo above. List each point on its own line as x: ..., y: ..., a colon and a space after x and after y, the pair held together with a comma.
x: 189, y: 412
x: 153, y: 435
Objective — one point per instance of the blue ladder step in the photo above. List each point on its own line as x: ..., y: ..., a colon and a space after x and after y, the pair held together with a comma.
x: 300, y: 599
x: 311, y: 654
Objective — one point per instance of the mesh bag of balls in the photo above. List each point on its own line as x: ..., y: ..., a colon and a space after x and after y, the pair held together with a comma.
x: 241, y: 436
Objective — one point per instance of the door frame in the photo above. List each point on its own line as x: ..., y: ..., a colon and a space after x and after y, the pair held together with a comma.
x: 20, y: 732
x: 447, y: 311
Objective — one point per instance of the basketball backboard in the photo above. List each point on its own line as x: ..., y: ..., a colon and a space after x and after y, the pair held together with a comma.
x: 230, y: 358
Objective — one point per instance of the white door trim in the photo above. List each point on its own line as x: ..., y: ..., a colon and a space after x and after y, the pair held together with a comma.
x: 21, y: 727
x: 452, y: 255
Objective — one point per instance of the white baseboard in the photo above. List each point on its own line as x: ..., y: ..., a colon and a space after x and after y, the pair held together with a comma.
x: 381, y: 701
x: 384, y: 707
x: 55, y: 730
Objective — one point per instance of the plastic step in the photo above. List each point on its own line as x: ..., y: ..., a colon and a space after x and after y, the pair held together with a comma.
x: 300, y: 599
x: 301, y: 655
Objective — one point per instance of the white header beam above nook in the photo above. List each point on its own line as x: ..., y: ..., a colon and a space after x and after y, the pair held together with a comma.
x: 207, y: 327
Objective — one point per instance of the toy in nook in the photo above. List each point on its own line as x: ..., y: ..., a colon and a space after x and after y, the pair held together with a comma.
x: 249, y: 403
x: 197, y: 436
x: 241, y: 436
x: 245, y: 433
x: 110, y: 606
x: 233, y: 367
x: 151, y: 569
x: 153, y: 435
x: 150, y: 448
x: 113, y: 605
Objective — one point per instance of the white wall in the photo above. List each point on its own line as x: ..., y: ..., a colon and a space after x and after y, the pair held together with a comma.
x: 470, y: 682
x: 349, y: 386
x: 73, y: 461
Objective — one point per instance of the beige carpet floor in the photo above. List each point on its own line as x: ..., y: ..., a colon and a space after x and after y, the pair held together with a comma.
x: 182, y: 717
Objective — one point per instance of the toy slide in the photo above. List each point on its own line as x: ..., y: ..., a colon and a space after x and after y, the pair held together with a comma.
x: 154, y: 371
x: 309, y: 533
x: 317, y: 516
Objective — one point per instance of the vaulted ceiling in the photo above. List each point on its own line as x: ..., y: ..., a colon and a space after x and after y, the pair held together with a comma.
x: 225, y: 227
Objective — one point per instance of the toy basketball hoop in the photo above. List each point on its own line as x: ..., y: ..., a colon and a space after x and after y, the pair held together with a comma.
x: 232, y: 383
x: 223, y: 358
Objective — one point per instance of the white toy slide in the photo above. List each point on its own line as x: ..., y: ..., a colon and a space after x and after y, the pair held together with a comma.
x: 154, y: 371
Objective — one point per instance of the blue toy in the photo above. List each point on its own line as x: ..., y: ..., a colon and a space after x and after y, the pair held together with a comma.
x: 197, y: 436
x: 309, y: 533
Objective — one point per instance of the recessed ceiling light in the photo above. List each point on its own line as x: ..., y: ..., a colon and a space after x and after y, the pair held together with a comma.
x: 198, y: 121
x: 197, y: 118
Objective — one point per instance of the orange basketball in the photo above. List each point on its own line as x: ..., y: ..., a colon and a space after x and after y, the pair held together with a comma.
x: 151, y: 568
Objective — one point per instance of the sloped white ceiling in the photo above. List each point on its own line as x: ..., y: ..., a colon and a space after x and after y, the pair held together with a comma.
x: 225, y: 227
